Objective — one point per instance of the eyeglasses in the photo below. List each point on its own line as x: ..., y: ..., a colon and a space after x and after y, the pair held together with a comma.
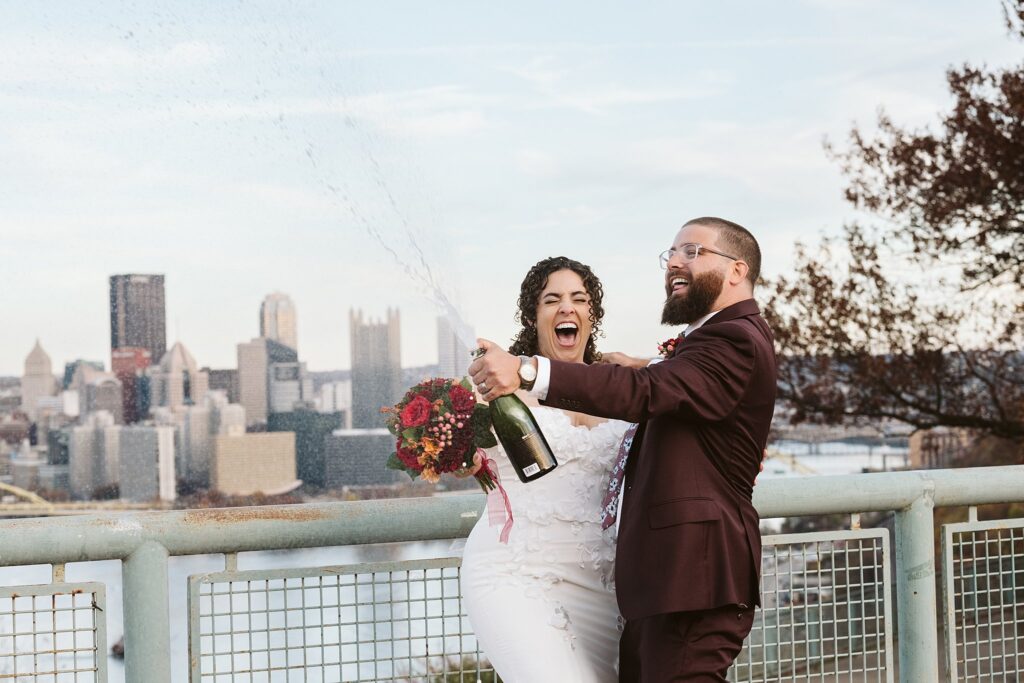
x: 689, y: 253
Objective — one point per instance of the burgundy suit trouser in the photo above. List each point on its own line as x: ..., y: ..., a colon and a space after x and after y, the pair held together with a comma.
x: 683, y: 646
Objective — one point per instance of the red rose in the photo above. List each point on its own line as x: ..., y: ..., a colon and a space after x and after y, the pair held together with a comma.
x: 462, y: 401
x: 416, y: 413
x: 408, y: 457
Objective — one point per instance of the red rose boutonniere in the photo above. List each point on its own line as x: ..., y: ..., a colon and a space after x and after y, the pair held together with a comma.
x: 666, y: 347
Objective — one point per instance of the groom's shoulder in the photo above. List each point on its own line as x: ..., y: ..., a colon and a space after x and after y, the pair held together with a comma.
x: 741, y: 319
x: 747, y: 331
x: 730, y: 336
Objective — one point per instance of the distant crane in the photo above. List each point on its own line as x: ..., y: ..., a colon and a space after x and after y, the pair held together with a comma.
x: 27, y: 495
x: 791, y: 460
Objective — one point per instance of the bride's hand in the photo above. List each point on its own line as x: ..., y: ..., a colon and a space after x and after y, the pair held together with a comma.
x: 619, y: 358
x: 478, y: 463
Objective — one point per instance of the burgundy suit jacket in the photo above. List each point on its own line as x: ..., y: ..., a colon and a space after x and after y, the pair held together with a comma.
x: 689, y: 536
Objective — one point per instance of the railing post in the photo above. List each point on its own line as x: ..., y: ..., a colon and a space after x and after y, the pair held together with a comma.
x: 915, y: 591
x: 147, y: 621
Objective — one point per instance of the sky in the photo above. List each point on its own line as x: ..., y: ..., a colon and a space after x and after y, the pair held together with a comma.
x: 392, y: 154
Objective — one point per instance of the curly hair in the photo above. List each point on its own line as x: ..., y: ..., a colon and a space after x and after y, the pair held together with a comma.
x: 525, y: 342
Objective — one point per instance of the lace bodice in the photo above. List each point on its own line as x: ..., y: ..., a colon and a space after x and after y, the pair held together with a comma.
x: 563, y: 508
x: 585, y: 457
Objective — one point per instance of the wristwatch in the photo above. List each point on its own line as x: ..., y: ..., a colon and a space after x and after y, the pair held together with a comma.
x: 527, y: 373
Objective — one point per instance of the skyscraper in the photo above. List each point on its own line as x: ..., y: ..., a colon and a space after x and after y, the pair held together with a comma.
x: 202, y: 423
x: 277, y: 320
x: 452, y: 352
x: 137, y: 314
x: 352, y: 457
x: 290, y: 387
x: 224, y: 380
x: 244, y: 464
x: 71, y: 368
x: 93, y: 454
x: 146, y: 464
x: 38, y: 380
x: 257, y: 360
x: 177, y: 381
x: 97, y: 390
x: 310, y: 429
x: 376, y: 367
x: 128, y: 365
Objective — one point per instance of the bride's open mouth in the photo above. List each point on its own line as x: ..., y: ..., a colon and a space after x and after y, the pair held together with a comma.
x: 566, y: 334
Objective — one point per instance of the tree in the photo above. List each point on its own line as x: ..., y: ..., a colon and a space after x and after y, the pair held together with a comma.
x: 917, y: 316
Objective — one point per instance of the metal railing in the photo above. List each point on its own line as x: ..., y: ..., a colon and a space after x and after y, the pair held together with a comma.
x: 827, y: 606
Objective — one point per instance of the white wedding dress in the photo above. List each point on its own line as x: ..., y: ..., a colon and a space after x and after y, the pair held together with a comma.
x: 543, y: 606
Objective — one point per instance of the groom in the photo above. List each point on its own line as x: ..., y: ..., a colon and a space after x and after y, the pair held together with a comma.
x: 689, y: 548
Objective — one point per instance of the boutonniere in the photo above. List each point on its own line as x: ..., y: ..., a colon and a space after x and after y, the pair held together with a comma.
x: 666, y: 347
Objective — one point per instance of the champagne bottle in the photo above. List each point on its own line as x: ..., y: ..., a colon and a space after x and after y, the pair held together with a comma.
x: 524, y: 443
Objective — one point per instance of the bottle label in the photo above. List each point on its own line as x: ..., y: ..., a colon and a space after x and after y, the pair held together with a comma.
x: 533, y: 451
x: 531, y: 470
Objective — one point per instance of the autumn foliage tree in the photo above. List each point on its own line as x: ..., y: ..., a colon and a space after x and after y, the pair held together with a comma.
x: 916, y: 313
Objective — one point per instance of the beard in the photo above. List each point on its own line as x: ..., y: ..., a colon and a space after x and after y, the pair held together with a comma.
x: 696, y: 303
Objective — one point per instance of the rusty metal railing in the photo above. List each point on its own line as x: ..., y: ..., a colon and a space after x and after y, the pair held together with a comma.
x: 144, y: 542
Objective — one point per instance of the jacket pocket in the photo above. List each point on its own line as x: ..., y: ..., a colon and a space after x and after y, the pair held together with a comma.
x: 683, y: 511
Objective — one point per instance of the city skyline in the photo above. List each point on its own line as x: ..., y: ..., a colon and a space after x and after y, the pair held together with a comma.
x: 443, y: 330
x: 232, y: 363
x: 322, y: 153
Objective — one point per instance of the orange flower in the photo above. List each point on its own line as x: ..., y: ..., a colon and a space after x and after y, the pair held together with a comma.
x: 430, y: 447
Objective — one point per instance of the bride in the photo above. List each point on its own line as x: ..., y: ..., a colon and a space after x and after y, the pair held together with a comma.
x: 543, y: 605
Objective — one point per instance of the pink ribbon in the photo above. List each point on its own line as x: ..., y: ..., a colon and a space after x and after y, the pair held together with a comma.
x: 497, y: 513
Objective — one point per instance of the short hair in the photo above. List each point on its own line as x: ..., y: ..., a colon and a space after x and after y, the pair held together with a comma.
x: 737, y: 241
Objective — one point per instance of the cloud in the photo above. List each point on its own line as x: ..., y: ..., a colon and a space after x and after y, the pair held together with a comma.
x: 562, y: 218
x: 101, y: 66
x: 442, y: 110
x: 536, y: 163
x: 765, y: 158
x: 563, y: 87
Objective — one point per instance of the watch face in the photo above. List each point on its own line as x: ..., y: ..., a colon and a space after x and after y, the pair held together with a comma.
x: 527, y: 371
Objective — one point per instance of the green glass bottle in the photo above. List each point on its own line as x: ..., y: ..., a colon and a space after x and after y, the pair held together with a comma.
x: 520, y: 436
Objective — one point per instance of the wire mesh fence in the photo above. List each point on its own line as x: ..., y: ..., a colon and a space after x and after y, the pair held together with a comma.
x: 53, y: 633
x: 825, y: 613
x: 396, y: 621
x: 983, y: 596
x: 825, y: 610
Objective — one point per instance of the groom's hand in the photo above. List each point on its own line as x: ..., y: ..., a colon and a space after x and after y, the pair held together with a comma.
x: 764, y: 456
x: 618, y: 358
x: 496, y: 372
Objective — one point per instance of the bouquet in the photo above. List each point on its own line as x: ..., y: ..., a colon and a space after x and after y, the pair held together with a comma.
x: 440, y: 428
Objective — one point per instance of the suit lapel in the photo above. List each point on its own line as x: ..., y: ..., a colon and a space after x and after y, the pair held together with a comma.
x: 634, y: 450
